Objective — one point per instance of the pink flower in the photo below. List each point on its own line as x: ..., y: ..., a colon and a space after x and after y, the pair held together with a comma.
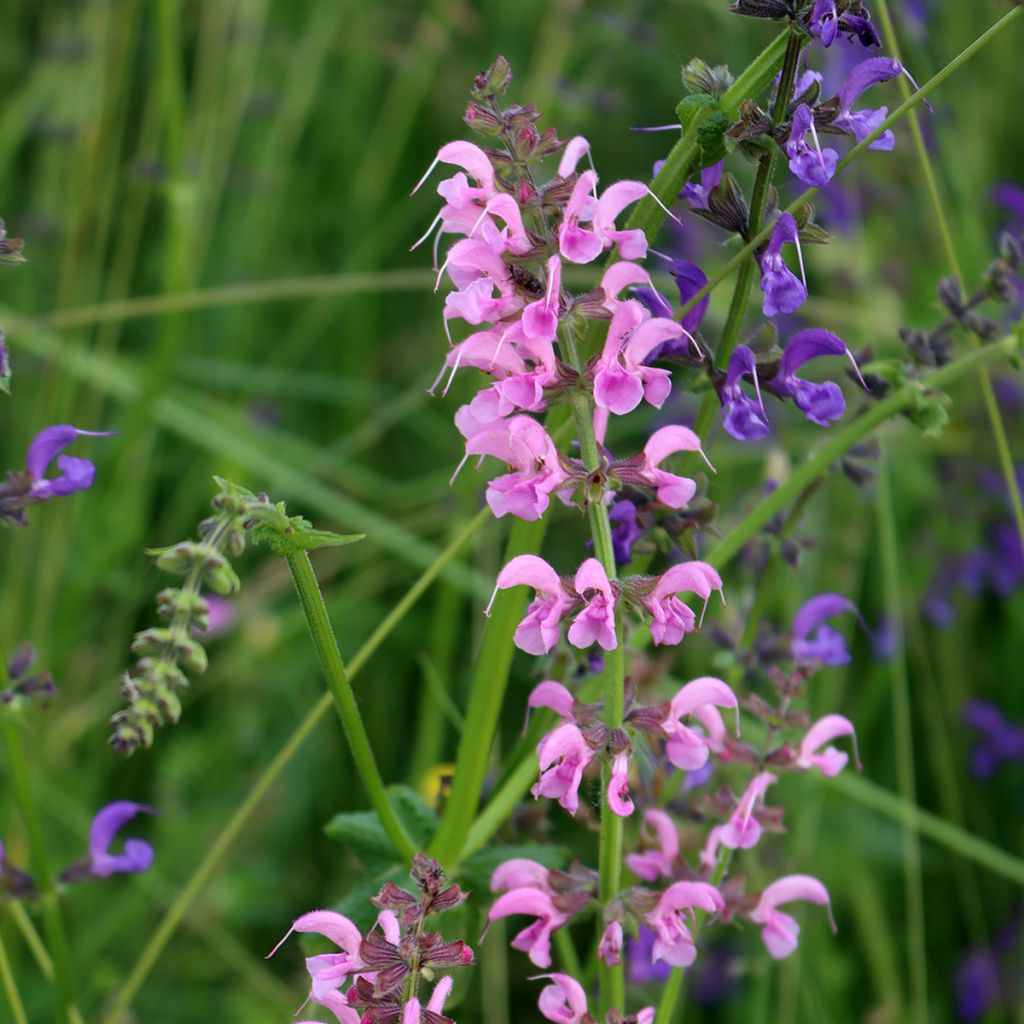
x: 564, y: 1001
x: 555, y: 696
x: 672, y: 619
x: 582, y: 245
x: 831, y: 761
x: 329, y: 970
x: 525, y: 445
x: 742, y: 830
x: 618, y: 786
x: 671, y: 490
x: 609, y: 949
x: 563, y: 756
x: 709, y: 855
x: 622, y: 275
x: 575, y: 149
x: 538, y: 632
x: 339, y: 1006
x: 521, y: 873
x: 652, y: 863
x: 576, y: 244
x: 540, y: 318
x: 621, y: 380
x: 673, y: 941
x: 597, y: 620
x: 780, y: 931
x: 686, y: 748
x: 534, y: 940
x: 461, y: 210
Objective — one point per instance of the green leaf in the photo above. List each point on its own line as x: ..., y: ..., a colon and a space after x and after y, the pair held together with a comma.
x: 475, y: 872
x: 363, y: 833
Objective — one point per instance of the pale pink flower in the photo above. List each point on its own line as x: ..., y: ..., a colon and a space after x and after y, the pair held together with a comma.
x: 461, y: 210
x: 830, y: 761
x: 577, y: 244
x: 555, y: 696
x: 743, y: 830
x: 597, y: 620
x: 540, y: 318
x: 563, y: 756
x: 686, y: 748
x: 535, y: 939
x: 650, y: 864
x: 583, y: 245
x: 538, y: 632
x: 525, y: 445
x: 618, y: 786
x: 609, y: 949
x: 780, y: 930
x: 672, y: 619
x: 329, y: 970
x: 575, y: 149
x: 564, y: 1001
x: 339, y: 1006
x: 670, y: 489
x: 521, y: 873
x: 673, y: 942
x: 621, y: 379
x: 709, y: 855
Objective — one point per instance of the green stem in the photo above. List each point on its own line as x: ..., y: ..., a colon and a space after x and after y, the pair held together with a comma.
x: 56, y: 937
x: 909, y: 104
x: 903, y: 727
x: 10, y: 987
x: 319, y: 623
x: 932, y: 186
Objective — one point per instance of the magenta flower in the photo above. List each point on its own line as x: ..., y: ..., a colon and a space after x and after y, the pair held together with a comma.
x: 621, y: 380
x: 670, y: 489
x: 609, y: 949
x: 784, y: 292
x: 688, y: 749
x: 534, y: 940
x: 673, y: 943
x: 563, y: 1001
x: 525, y: 445
x: 831, y: 761
x: 461, y: 210
x: 651, y: 864
x: 415, y: 1013
x: 540, y: 318
x: 780, y: 931
x: 328, y: 971
x: 343, y: 1012
x: 578, y: 244
x: 575, y: 149
x: 596, y: 622
x: 618, y: 787
x: 623, y: 275
x: 672, y: 619
x: 812, y: 165
x: 137, y: 854
x: 555, y: 696
x: 538, y: 632
x: 742, y: 831
x: 563, y: 756
x: 743, y: 418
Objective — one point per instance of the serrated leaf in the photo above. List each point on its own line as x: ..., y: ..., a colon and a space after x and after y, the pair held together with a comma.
x: 475, y: 872
x: 363, y: 833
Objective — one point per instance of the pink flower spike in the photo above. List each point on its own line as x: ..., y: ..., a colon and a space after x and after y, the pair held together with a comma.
x: 780, y: 930
x: 538, y: 631
x: 742, y: 831
x: 563, y: 1002
x: 671, y: 490
x: 563, y: 755
x: 618, y: 787
x: 575, y: 149
x: 534, y: 940
x: 652, y: 863
x: 831, y: 761
x: 470, y: 158
x: 597, y: 620
x: 673, y: 942
x: 609, y: 950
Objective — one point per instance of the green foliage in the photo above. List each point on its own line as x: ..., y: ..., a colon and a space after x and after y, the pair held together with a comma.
x: 363, y: 834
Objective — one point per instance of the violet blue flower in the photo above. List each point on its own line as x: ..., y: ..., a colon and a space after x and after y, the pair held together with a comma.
x: 861, y: 123
x: 784, y: 292
x: 998, y: 740
x: 742, y: 417
x: 641, y: 967
x: 812, y: 165
x: 826, y: 23
x: 13, y: 881
x: 820, y: 403
x: 697, y: 195
x: 625, y: 530
x: 136, y: 856
x: 825, y: 645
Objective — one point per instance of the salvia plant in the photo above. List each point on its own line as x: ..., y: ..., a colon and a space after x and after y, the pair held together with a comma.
x: 580, y: 323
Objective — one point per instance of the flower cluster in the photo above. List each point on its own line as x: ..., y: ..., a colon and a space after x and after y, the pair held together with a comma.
x: 384, y: 969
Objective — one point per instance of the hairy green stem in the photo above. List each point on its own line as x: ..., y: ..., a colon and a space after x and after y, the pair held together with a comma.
x: 319, y: 623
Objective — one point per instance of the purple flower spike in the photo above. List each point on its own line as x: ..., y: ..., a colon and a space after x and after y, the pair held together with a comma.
x: 784, y: 292
x: 998, y: 739
x: 820, y: 403
x: 812, y: 165
x: 137, y: 855
x: 744, y: 418
x: 826, y: 645
x: 75, y: 474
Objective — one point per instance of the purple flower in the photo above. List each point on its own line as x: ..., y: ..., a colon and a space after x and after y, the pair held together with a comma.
x: 743, y: 418
x: 697, y: 195
x: 861, y: 123
x: 826, y: 22
x: 640, y: 968
x: 820, y: 403
x: 812, y: 165
x: 1010, y: 196
x: 136, y: 856
x: 14, y: 881
x: 814, y: 640
x: 977, y: 985
x: 689, y: 279
x: 625, y: 530
x: 784, y: 292
x: 998, y: 739
x: 22, y: 685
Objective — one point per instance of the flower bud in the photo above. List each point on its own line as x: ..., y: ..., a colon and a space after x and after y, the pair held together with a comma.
x: 494, y: 81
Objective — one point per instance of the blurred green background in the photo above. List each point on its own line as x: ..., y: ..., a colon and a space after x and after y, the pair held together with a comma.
x: 214, y: 197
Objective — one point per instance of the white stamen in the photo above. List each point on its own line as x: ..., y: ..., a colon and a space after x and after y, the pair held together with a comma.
x: 668, y: 212
x: 760, y: 402
x: 458, y: 360
x: 278, y: 946
x: 440, y: 273
x: 856, y: 370
x: 501, y: 341
x: 817, y: 144
x: 800, y: 258
x: 707, y: 460
x: 458, y: 468
x: 700, y: 624
x: 487, y: 610
x: 483, y: 213
x: 448, y: 332
x: 437, y: 245
x: 426, y: 234
x: 551, y: 282
x: 693, y: 342
x: 430, y: 169
x: 437, y: 379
